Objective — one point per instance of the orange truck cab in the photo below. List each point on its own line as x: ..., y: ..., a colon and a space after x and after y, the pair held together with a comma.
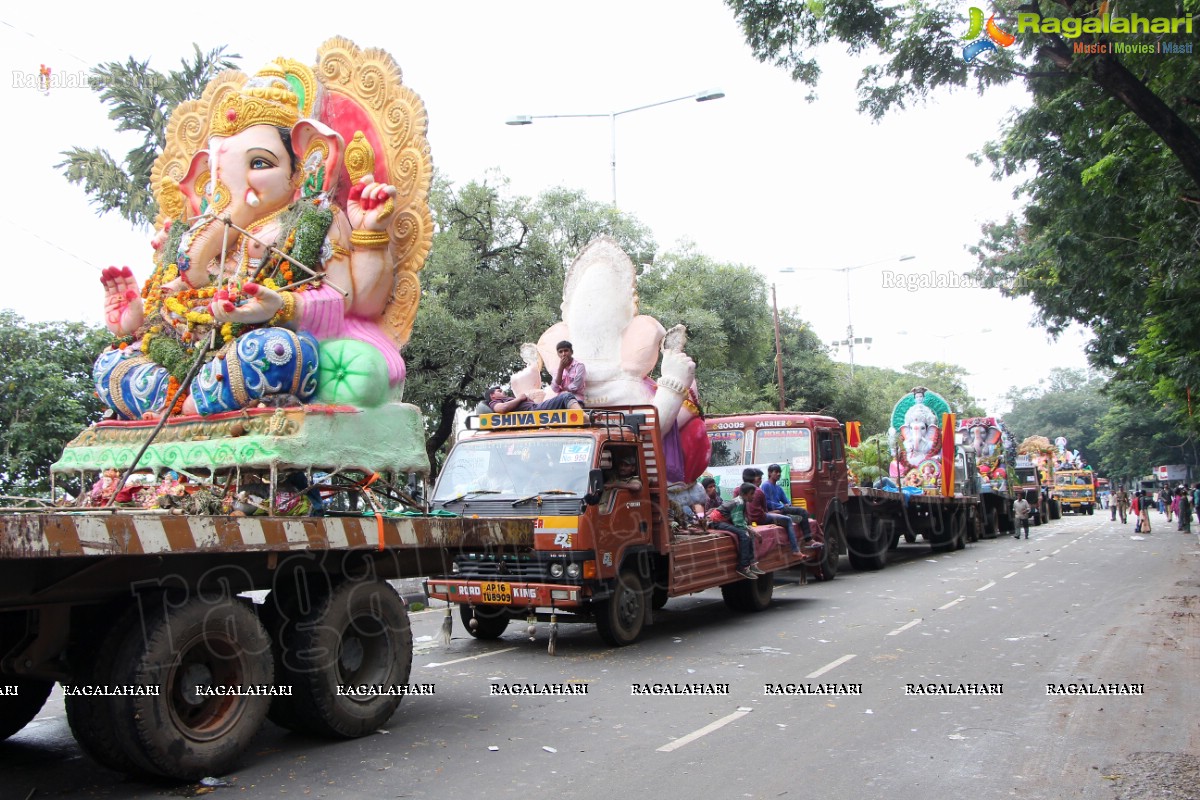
x: 603, y: 548
x: 811, y: 451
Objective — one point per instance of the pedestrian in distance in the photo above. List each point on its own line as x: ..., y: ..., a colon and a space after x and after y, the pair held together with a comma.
x: 1184, y: 499
x: 1022, y: 510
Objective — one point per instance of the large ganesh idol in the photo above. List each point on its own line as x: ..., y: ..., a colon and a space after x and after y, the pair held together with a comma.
x: 293, y: 218
x: 619, y: 348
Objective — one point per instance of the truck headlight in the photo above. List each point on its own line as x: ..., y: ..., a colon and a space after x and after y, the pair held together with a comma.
x: 572, y: 571
x: 556, y: 570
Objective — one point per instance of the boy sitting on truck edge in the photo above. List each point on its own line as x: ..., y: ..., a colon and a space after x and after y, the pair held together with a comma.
x: 756, y: 509
x: 501, y: 403
x: 731, y: 517
x: 777, y: 501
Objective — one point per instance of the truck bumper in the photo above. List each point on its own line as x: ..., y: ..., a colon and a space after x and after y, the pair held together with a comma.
x: 505, y: 593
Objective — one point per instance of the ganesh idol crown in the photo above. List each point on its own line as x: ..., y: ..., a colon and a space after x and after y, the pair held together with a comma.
x: 293, y: 220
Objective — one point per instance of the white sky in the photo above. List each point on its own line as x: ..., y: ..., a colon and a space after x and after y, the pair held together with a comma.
x: 759, y: 177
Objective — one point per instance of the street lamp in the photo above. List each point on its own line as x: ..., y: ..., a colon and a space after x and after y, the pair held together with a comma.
x: 699, y: 97
x: 850, y: 339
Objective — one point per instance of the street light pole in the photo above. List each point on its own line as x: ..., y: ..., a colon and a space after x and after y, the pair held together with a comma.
x: 778, y: 351
x: 699, y: 97
x: 849, y: 340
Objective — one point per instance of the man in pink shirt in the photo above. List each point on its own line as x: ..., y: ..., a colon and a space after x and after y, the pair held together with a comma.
x: 572, y: 375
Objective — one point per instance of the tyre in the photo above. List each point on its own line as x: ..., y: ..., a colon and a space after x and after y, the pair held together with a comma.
x: 484, y: 622
x: 18, y: 710
x: 191, y: 654
x: 870, y: 554
x: 991, y: 524
x: 658, y: 596
x: 91, y: 718
x: 357, y: 634
x: 1090, y: 511
x: 827, y: 568
x: 749, y: 595
x: 910, y: 537
x: 620, y: 618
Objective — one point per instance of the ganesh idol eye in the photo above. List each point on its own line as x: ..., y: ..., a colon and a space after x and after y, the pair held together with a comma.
x: 260, y: 163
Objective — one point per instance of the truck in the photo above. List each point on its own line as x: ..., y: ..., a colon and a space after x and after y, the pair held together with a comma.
x: 993, y: 447
x: 1075, y: 491
x: 609, y: 556
x: 1036, y: 466
x: 138, y: 609
x: 863, y: 522
x: 810, y: 448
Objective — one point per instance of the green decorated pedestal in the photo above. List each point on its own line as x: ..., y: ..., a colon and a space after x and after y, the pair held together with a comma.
x: 388, y: 438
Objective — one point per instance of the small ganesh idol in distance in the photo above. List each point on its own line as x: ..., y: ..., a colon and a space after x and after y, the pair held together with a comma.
x: 293, y: 219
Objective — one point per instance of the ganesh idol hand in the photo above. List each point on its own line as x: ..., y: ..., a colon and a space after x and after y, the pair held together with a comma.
x: 261, y: 304
x: 369, y: 204
x: 123, y: 309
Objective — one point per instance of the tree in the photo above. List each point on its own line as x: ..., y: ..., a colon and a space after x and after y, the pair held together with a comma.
x: 1110, y: 146
x: 1072, y: 407
x: 810, y: 378
x: 140, y: 100
x: 47, y: 397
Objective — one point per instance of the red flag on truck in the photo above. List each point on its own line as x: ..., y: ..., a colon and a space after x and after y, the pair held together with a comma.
x: 948, y: 455
x: 853, y: 434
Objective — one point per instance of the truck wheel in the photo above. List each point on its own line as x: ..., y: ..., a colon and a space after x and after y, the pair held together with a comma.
x: 658, y: 596
x: 90, y: 718
x: 1055, y: 510
x: 490, y: 622
x: 874, y: 548
x: 991, y: 524
x: 620, y: 618
x: 182, y: 733
x: 18, y: 710
x: 827, y: 568
x: 356, y: 635
x: 1090, y: 511
x: 749, y: 595
x: 910, y: 537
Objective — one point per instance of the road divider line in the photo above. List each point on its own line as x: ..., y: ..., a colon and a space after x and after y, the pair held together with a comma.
x: 905, y: 627
x: 987, y: 585
x: 1043, y: 558
x: 707, y: 729
x: 829, y: 666
x: 1030, y: 564
x: 951, y: 603
x: 469, y: 658
x: 1009, y: 575
x: 1056, y: 552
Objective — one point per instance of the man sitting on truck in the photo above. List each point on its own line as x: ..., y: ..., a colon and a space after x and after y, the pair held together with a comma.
x: 731, y: 517
x: 777, y: 501
x: 572, y: 375
x: 501, y: 403
x: 756, y: 509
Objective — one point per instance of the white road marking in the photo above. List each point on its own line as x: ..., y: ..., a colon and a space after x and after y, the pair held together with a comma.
x: 707, y: 729
x: 987, y: 585
x: 1030, y: 564
x: 1043, y: 558
x: 829, y: 666
x: 951, y: 603
x: 905, y: 627
x: 1056, y: 552
x: 470, y: 658
x: 1009, y: 575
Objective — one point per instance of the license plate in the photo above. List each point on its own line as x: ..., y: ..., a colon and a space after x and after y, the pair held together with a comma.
x: 497, y: 593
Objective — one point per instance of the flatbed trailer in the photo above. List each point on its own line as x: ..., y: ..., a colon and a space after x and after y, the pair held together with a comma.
x: 147, y: 604
x: 878, y: 519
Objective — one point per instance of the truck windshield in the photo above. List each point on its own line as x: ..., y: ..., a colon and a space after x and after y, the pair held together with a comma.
x: 1072, y: 480
x: 516, y: 467
x: 792, y: 447
x: 726, y: 448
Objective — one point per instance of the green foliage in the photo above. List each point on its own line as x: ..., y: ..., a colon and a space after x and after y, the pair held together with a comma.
x: 47, y: 397
x: 869, y: 461
x: 1108, y: 156
x: 1072, y: 406
x: 140, y: 100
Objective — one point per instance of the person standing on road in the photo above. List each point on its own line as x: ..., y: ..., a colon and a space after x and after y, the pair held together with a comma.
x: 1164, y: 503
x: 1184, y: 509
x: 1121, y: 505
x: 1144, y: 503
x: 1021, y: 507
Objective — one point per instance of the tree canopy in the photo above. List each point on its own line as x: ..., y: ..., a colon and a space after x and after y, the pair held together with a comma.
x: 1108, y: 155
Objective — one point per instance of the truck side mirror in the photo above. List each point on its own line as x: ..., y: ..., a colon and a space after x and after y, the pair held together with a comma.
x: 595, y: 487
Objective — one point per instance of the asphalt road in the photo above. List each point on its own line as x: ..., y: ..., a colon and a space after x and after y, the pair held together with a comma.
x: 1081, y: 602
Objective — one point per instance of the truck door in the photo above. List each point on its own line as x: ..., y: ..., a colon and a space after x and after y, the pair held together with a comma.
x: 624, y: 509
x: 826, y: 475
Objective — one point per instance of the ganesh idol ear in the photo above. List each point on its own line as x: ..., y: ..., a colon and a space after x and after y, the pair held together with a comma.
x: 194, y: 185
x: 318, y: 150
